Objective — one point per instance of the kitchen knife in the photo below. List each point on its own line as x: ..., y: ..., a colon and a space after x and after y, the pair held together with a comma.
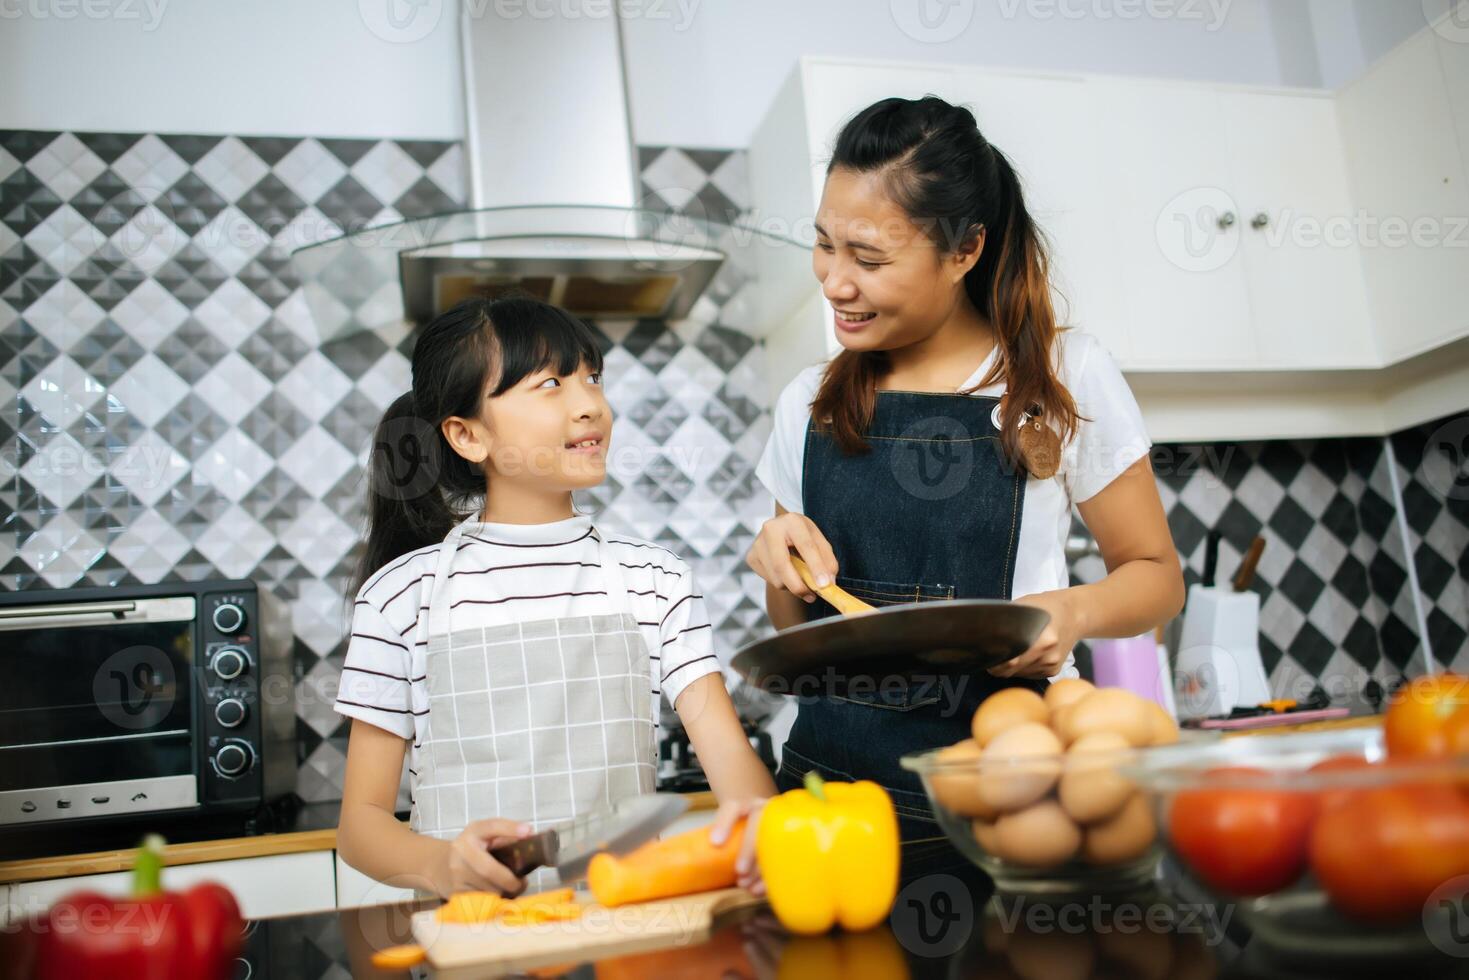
x: 570, y: 847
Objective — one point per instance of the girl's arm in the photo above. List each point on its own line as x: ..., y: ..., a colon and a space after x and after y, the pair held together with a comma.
x: 739, y: 779
x: 734, y: 769
x: 1144, y: 583
x: 372, y: 840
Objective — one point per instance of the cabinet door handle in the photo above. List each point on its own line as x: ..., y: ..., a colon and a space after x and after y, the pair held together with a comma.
x: 1226, y: 221
x: 1260, y: 221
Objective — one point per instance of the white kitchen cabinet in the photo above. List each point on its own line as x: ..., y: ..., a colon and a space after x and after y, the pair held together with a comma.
x: 355, y: 889
x: 1302, y: 260
x: 1407, y: 168
x: 275, y: 884
x: 1174, y: 223
x: 1038, y: 122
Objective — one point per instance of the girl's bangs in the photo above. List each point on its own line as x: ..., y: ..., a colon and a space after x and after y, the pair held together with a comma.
x: 533, y: 336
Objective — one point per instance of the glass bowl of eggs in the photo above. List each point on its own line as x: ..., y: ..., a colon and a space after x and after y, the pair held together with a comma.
x: 1038, y: 798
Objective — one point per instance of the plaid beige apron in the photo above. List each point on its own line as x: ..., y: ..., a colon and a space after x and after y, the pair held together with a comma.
x: 537, y: 721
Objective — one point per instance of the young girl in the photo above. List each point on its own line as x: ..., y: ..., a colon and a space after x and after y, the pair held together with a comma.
x: 510, y: 648
x: 940, y: 453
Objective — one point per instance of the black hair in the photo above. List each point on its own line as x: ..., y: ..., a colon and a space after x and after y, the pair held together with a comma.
x: 950, y: 181
x: 418, y: 486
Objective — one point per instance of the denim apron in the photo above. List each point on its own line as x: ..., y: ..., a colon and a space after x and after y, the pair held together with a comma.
x: 931, y: 513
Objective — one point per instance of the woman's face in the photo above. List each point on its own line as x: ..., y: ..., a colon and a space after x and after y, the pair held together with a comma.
x: 872, y: 258
x: 549, y: 433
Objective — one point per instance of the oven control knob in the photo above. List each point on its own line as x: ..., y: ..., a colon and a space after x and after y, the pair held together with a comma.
x: 230, y: 712
x: 228, y: 618
x: 230, y: 663
x: 233, y: 758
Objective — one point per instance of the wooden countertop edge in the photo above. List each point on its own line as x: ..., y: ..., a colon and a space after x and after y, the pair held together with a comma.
x: 201, y: 852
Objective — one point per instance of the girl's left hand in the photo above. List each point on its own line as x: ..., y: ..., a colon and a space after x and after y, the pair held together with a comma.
x: 1048, y: 654
x: 725, y: 819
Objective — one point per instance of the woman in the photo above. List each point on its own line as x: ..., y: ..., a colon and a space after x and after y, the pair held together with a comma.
x: 939, y: 454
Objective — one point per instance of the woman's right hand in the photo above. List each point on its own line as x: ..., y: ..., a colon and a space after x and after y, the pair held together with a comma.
x: 467, y: 865
x: 770, y: 555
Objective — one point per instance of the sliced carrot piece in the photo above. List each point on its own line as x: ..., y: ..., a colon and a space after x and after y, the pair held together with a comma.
x: 399, y: 957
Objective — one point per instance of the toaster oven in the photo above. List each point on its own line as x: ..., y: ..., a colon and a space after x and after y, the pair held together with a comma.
x: 134, y: 700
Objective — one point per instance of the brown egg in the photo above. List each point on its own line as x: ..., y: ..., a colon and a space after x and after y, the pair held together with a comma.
x: 1019, y: 766
x: 1004, y: 710
x: 1061, y: 723
x: 984, y: 835
x: 959, y: 791
x: 1091, y: 791
x: 1161, y: 726
x: 1066, y: 690
x: 1123, y: 836
x: 1040, y: 836
x: 1110, y: 709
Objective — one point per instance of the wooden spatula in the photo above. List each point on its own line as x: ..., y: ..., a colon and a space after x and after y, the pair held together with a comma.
x: 845, y: 603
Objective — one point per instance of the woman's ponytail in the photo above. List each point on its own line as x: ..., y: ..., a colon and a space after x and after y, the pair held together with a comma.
x: 1010, y: 286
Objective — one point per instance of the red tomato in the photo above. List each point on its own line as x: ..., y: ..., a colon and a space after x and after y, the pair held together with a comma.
x: 1417, y: 722
x: 1243, y: 841
x: 1381, y: 853
x: 1339, y: 763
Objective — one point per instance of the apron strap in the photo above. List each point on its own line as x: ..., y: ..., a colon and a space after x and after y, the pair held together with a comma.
x: 616, y: 586
x: 438, y: 602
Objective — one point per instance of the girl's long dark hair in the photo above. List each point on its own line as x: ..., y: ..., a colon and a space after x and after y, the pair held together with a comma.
x: 951, y: 181
x: 418, y: 486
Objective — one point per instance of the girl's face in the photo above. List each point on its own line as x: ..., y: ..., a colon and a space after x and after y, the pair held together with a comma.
x: 887, y: 281
x: 548, y: 433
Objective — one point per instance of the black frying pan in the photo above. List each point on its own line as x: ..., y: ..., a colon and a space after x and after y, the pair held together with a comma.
x: 913, y: 641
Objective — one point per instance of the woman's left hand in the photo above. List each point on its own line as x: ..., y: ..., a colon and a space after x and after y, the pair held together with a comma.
x: 725, y: 819
x: 1048, y: 654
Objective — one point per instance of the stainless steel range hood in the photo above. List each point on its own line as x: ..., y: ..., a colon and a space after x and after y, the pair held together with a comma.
x: 553, y: 203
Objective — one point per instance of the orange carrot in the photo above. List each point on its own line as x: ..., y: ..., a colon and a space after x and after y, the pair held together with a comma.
x: 679, y: 865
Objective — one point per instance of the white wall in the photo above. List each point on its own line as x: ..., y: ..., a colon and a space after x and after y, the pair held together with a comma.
x: 700, y: 72
x: 262, y: 67
x: 736, y: 55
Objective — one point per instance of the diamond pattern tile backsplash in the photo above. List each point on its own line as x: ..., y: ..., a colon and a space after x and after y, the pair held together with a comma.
x: 171, y: 415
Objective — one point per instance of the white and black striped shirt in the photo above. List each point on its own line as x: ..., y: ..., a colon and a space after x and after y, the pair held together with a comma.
x: 508, y: 573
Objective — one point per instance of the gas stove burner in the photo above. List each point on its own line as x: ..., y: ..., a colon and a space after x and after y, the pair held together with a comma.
x: 678, y: 765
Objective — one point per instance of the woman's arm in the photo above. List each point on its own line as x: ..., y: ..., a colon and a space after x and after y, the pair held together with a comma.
x: 1144, y: 583
x: 372, y: 840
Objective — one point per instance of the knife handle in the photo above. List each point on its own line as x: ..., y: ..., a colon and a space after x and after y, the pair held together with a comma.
x: 525, y: 855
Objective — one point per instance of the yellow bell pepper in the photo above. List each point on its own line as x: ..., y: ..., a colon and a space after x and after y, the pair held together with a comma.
x: 829, y: 855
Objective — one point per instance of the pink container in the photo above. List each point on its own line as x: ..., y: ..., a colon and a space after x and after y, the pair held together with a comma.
x: 1137, y: 664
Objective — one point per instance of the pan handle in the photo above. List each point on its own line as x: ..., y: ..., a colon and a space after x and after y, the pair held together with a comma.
x: 845, y: 603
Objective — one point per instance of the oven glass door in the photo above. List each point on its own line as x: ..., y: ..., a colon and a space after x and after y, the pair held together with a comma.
x: 96, y: 693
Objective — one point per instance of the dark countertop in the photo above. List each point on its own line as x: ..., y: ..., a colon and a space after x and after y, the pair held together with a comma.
x: 933, y: 932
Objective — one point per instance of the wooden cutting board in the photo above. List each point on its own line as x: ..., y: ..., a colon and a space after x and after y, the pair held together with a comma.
x: 599, y: 932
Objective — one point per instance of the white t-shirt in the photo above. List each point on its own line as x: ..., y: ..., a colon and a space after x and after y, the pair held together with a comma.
x: 1100, y: 451
x: 513, y: 573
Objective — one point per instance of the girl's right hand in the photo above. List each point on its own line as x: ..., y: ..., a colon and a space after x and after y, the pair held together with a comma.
x: 468, y: 866
x: 770, y: 555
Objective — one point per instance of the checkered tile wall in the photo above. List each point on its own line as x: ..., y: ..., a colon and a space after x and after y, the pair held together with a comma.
x: 171, y: 416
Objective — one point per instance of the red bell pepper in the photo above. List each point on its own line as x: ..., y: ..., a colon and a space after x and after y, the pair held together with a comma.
x: 151, y: 935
